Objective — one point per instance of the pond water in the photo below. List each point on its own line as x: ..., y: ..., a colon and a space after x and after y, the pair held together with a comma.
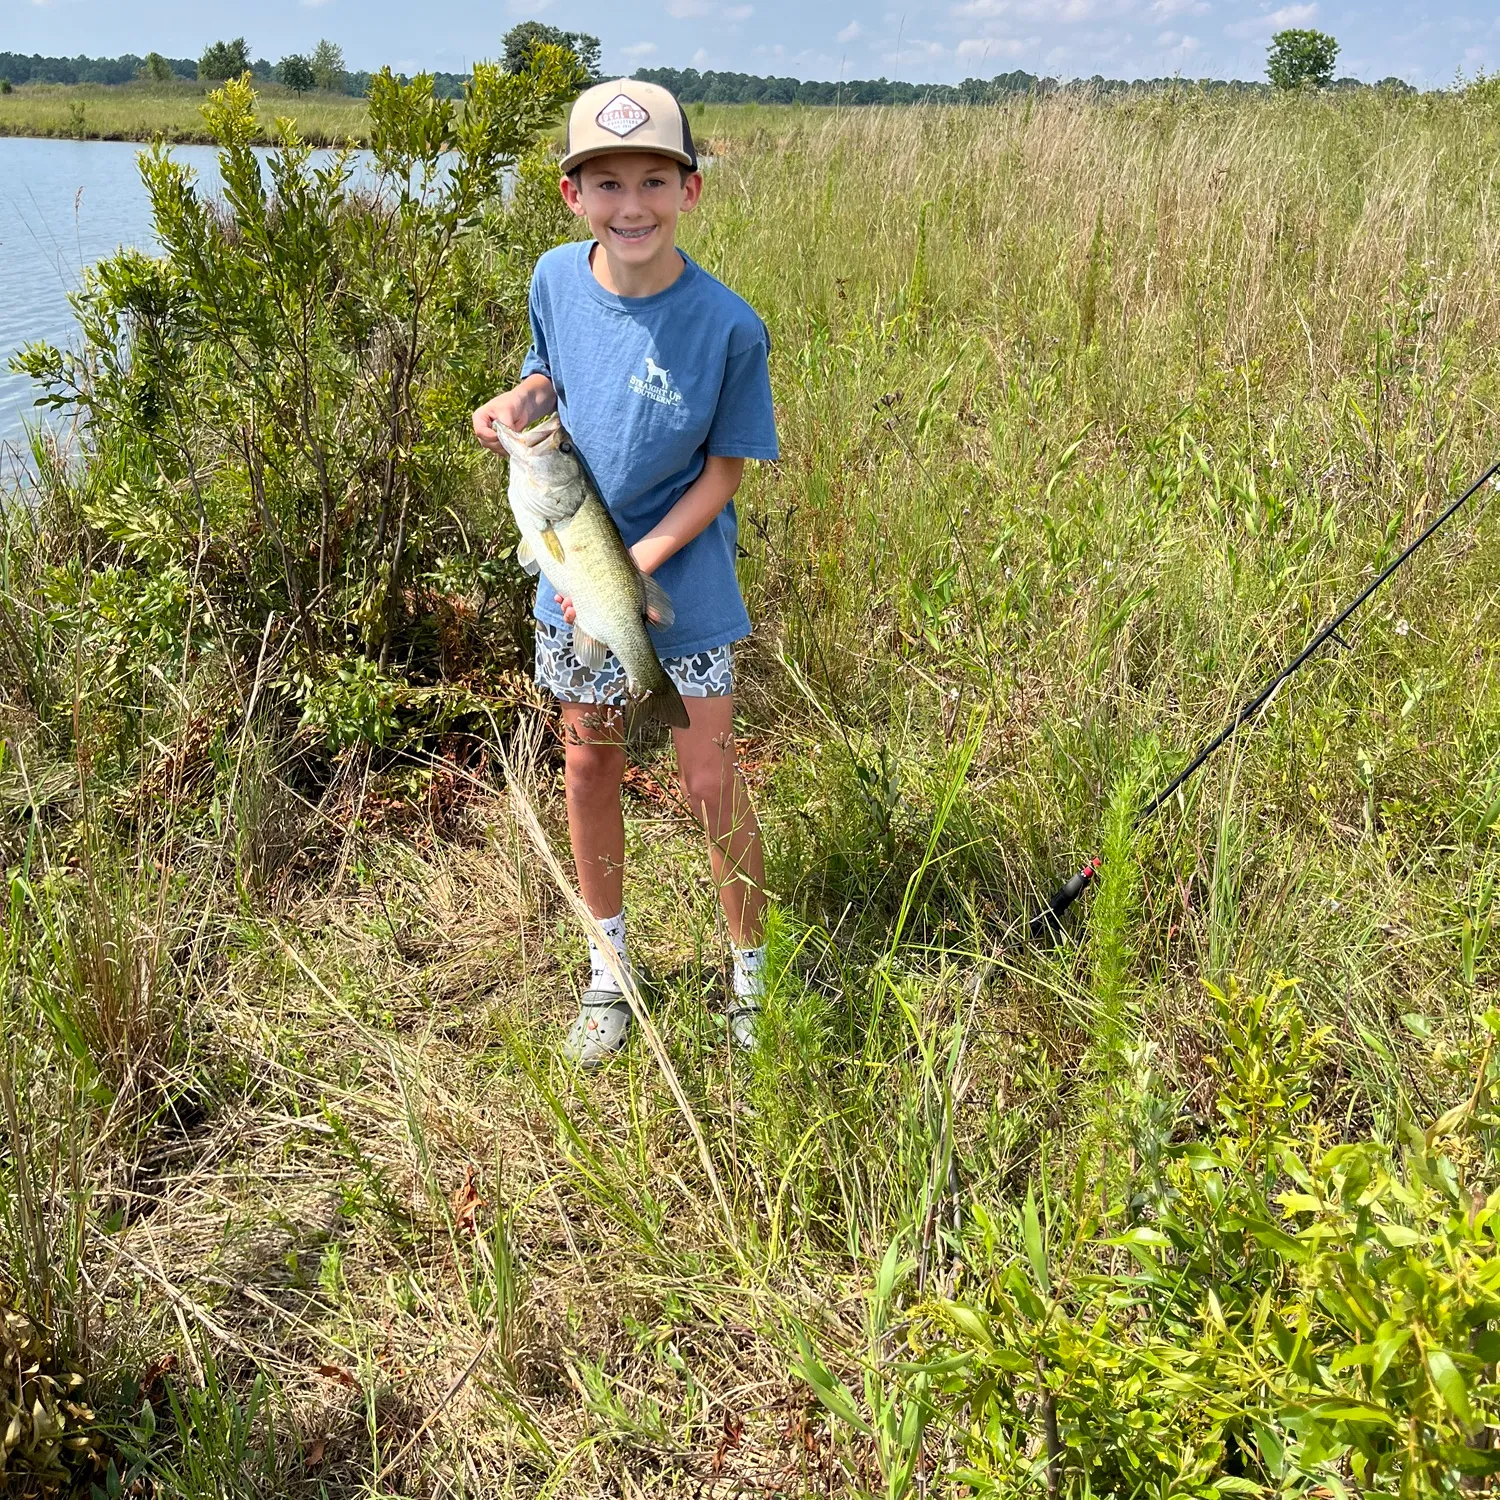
x: 63, y: 205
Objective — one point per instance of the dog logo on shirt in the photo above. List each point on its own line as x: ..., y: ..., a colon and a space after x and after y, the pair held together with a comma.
x: 657, y: 386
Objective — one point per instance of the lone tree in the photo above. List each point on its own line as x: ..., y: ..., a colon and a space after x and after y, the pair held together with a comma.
x: 156, y: 69
x: 521, y: 41
x: 223, y: 60
x: 297, y: 73
x: 1301, y: 60
x: 328, y: 66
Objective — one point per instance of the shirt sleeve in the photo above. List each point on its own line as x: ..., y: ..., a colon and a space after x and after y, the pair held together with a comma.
x: 537, y: 361
x: 744, y: 425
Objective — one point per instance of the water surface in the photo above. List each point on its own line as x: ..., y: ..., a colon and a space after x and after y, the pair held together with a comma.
x: 64, y: 205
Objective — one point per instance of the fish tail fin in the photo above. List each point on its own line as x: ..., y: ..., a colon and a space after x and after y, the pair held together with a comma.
x: 662, y: 705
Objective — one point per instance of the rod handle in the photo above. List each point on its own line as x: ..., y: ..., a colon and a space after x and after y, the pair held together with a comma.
x: 1049, y: 919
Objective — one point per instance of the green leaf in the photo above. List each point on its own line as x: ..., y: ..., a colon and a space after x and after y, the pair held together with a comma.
x: 831, y: 1391
x: 1449, y: 1383
x: 1486, y: 1345
x: 972, y: 1325
x: 1036, y: 1251
x: 1235, y: 1484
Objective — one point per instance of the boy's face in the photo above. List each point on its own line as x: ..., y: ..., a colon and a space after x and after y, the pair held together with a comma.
x: 632, y: 200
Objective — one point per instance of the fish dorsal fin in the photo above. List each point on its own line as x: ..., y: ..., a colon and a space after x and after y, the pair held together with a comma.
x: 589, y: 651
x: 526, y: 556
x: 658, y: 605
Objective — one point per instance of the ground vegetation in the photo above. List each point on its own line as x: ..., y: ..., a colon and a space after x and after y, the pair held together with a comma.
x: 296, y: 1195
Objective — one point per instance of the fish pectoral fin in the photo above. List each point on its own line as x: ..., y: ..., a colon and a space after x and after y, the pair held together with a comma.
x: 658, y: 603
x: 589, y: 651
x: 553, y: 543
x: 526, y: 556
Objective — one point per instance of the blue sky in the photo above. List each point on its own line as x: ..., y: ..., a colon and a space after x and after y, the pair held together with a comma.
x: 951, y: 39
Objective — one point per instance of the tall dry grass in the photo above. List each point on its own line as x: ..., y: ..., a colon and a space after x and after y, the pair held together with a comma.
x: 1090, y: 414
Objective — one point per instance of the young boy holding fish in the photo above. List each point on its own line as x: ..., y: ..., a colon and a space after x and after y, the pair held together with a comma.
x: 658, y: 374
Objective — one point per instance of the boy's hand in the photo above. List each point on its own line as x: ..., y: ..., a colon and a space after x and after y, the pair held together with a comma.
x: 516, y: 409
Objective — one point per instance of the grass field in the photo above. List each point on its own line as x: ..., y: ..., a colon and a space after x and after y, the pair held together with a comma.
x: 1090, y: 415
x: 170, y: 112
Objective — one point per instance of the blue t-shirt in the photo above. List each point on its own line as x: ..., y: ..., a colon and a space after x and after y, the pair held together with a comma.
x: 648, y: 388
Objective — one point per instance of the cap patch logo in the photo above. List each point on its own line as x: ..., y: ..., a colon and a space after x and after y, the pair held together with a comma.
x: 621, y: 116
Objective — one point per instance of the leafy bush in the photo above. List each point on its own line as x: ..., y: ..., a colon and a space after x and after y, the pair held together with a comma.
x: 1295, y: 1314
x: 277, y: 407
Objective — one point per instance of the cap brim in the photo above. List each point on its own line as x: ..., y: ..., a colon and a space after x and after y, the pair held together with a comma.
x: 577, y: 158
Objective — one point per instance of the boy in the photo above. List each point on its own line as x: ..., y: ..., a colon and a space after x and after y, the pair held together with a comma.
x: 658, y: 372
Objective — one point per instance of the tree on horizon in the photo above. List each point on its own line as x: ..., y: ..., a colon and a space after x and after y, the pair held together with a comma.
x: 297, y: 73
x: 327, y: 62
x: 223, y: 60
x: 1301, y: 59
x: 523, y: 39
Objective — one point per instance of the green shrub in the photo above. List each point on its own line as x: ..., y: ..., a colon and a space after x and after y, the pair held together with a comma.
x: 1291, y: 1314
x: 277, y: 406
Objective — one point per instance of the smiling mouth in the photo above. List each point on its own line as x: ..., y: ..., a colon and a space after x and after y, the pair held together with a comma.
x: 633, y: 236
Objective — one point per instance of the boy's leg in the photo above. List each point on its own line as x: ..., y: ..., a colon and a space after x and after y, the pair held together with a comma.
x: 594, y: 751
x: 718, y: 796
x: 594, y: 748
x: 721, y: 802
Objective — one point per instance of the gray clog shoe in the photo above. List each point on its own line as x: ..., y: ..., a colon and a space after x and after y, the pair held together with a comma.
x: 744, y: 1024
x: 601, y: 1030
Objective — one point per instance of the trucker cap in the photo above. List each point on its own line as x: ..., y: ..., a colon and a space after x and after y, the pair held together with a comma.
x: 628, y: 115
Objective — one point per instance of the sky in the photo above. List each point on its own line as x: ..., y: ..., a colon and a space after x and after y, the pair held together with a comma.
x: 936, y: 42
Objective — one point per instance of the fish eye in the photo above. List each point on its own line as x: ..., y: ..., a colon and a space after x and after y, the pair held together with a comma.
x: 565, y: 447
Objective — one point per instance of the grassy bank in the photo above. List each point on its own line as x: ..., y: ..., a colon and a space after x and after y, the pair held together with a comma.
x: 170, y: 112
x: 1090, y: 415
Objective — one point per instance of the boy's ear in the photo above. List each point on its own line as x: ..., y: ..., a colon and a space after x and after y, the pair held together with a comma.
x: 571, y: 196
x: 692, y: 191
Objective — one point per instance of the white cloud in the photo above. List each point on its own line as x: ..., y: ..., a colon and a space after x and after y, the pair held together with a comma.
x: 852, y: 32
x: 1288, y: 15
x: 1164, y: 10
x: 701, y: 58
x: 639, y: 49
x: 738, y: 12
x: 1036, y: 10
x: 994, y: 46
x: 1175, y: 42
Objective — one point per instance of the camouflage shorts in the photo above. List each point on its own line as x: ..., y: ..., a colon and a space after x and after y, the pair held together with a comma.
x: 700, y: 674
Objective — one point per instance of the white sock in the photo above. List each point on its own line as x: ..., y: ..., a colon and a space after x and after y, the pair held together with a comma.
x: 600, y: 977
x: 750, y: 973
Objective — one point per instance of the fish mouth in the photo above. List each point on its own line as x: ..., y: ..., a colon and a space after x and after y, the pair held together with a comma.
x: 534, y: 439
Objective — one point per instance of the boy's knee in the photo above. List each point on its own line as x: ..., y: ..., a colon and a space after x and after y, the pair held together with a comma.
x: 709, y: 790
x: 595, y: 767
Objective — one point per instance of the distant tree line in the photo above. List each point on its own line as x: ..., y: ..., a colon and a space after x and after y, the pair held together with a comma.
x: 20, y: 68
x: 324, y: 68
x: 693, y: 87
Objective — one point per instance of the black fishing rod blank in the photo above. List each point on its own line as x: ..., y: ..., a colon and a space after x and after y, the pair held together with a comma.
x: 1050, y: 917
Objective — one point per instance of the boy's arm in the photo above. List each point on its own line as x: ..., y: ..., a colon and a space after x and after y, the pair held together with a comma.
x: 516, y: 409
x: 703, y: 499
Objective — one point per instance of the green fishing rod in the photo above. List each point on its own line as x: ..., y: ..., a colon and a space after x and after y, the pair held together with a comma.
x: 1049, y: 918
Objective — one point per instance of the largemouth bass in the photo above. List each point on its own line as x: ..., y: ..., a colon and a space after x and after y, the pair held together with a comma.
x: 568, y: 534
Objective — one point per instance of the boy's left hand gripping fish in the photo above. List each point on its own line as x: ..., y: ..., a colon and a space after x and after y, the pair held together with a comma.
x: 568, y: 533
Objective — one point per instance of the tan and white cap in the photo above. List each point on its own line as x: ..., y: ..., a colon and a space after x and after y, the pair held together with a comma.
x: 628, y: 115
